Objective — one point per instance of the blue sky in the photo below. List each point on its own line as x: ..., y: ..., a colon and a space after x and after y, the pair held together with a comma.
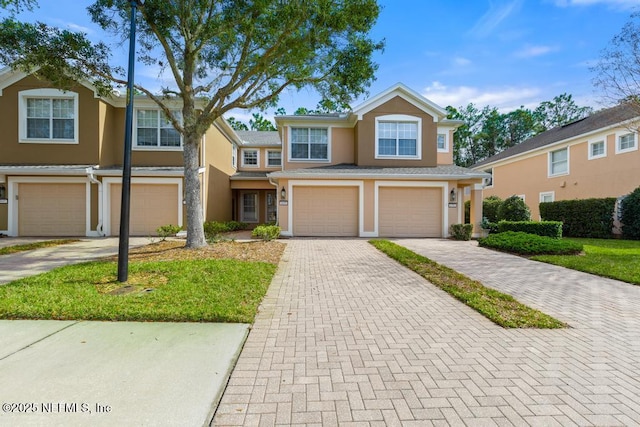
x: 503, y: 53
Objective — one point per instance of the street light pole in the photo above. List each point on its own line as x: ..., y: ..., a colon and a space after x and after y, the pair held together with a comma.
x: 123, y: 248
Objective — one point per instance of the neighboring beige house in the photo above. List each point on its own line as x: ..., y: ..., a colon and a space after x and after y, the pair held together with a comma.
x: 384, y: 169
x: 591, y: 158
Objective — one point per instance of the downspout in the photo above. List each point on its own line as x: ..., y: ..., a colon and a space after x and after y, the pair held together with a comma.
x: 92, y: 178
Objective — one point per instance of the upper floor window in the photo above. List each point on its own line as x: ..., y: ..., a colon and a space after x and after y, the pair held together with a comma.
x: 48, y: 116
x: 442, y: 142
x: 559, y: 162
x: 250, y: 158
x: 626, y: 142
x: 398, y: 136
x: 309, y: 144
x: 154, y: 130
x: 274, y: 158
x: 597, y: 149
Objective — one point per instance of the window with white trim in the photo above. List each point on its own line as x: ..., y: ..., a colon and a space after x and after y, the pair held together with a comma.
x: 597, y: 149
x: 249, y: 208
x: 398, y: 136
x: 442, y: 142
x: 250, y: 158
x: 274, y: 158
x: 48, y: 116
x: 547, y: 196
x: 154, y: 130
x: 626, y: 142
x: 309, y: 144
x: 559, y: 162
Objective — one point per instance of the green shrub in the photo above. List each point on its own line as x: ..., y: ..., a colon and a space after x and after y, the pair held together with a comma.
x: 165, y: 231
x: 266, y: 232
x: 461, y: 231
x: 541, y: 228
x: 212, y: 229
x: 631, y: 215
x: 513, y: 209
x: 236, y: 225
x: 490, y: 207
x: 488, y: 225
x: 581, y: 218
x: 521, y: 243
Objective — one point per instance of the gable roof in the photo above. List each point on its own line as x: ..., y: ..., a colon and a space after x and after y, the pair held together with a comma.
x: 438, y: 113
x: 597, y: 121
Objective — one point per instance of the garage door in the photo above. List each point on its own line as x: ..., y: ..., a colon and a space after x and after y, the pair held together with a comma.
x: 152, y: 205
x: 325, y: 211
x: 52, y: 209
x: 410, y: 212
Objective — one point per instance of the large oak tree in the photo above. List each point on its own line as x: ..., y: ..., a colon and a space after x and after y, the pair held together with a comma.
x: 221, y: 54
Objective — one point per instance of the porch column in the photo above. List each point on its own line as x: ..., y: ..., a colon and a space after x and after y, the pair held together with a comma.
x: 476, y: 209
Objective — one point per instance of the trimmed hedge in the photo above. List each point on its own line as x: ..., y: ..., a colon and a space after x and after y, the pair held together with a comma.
x: 520, y: 243
x: 461, y: 231
x: 551, y: 229
x: 266, y: 232
x: 631, y: 215
x: 212, y: 229
x: 581, y: 218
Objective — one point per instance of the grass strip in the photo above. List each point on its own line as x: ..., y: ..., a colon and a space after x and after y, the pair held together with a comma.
x: 35, y: 245
x: 500, y: 308
x: 211, y: 290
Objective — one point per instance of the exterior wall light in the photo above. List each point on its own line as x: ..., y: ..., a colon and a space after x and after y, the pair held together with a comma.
x: 283, y: 194
x: 453, y: 196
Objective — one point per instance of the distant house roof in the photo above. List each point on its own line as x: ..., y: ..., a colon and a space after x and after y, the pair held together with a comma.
x: 259, y: 138
x: 353, y: 171
x: 600, y: 120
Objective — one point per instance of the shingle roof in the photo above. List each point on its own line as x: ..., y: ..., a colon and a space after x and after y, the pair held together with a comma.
x: 248, y: 175
x: 601, y: 119
x: 259, y: 138
x: 350, y: 170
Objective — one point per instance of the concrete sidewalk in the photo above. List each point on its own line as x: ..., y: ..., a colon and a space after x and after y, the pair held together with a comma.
x: 114, y: 373
x: 28, y: 263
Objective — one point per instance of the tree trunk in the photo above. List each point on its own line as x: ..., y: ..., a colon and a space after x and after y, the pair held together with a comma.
x: 195, y: 220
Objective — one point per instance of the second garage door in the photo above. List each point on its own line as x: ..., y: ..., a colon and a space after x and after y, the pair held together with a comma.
x: 52, y: 209
x: 152, y: 205
x: 325, y: 211
x: 410, y: 212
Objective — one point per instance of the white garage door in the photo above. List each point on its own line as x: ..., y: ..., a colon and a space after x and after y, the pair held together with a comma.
x: 52, y: 209
x: 410, y: 212
x: 325, y: 211
x: 152, y: 205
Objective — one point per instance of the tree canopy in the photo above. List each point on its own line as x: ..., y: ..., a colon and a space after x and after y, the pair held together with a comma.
x: 221, y: 55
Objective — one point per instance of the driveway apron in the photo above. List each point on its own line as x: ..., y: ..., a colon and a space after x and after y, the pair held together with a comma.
x: 347, y: 336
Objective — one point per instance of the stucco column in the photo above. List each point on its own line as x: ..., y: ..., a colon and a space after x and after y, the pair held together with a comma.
x: 476, y: 209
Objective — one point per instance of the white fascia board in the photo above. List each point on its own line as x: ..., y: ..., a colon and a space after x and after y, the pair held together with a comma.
x: 406, y: 93
x: 33, y: 170
x: 406, y: 177
x: 134, y: 172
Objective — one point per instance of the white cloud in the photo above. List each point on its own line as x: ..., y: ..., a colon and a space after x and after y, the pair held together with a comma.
x: 461, y: 62
x: 533, y: 51
x: 505, y: 98
x: 493, y: 17
x: 623, y: 4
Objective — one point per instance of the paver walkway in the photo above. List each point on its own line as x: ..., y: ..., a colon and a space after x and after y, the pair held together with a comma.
x: 346, y: 336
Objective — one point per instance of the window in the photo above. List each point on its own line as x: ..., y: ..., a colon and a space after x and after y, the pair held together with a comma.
x: 274, y: 158
x: 249, y: 207
x: 48, y: 116
x: 309, y: 144
x: 398, y: 136
x: 597, y: 149
x: 271, y: 207
x: 547, y: 197
x: 442, y: 142
x: 559, y: 162
x: 626, y: 142
x: 250, y: 158
x: 154, y: 130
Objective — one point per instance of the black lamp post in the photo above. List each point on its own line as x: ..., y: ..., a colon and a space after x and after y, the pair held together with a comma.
x: 123, y: 248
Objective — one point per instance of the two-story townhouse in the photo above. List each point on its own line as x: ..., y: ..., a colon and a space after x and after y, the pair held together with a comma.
x: 594, y: 157
x: 61, y: 155
x: 384, y: 169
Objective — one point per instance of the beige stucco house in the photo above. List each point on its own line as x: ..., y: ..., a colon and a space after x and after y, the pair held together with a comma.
x: 591, y: 158
x: 384, y: 169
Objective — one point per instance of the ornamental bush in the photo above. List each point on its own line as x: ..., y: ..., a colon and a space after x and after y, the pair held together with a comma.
x: 551, y: 229
x: 581, y: 218
x: 266, y: 232
x: 520, y: 243
x: 461, y: 231
x: 631, y: 215
x: 165, y: 231
x: 513, y: 209
x: 212, y: 229
x: 490, y: 207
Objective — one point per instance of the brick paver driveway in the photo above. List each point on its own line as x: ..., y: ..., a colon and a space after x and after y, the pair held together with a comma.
x: 346, y: 336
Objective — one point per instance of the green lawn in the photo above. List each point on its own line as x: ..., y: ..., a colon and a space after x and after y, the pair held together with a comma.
x: 614, y: 258
x: 210, y: 290
x: 498, y: 307
x: 35, y: 245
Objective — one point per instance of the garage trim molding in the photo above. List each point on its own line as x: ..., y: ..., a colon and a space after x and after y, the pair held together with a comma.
x: 445, y: 192
x: 106, y: 195
x: 325, y: 183
x: 13, y: 206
